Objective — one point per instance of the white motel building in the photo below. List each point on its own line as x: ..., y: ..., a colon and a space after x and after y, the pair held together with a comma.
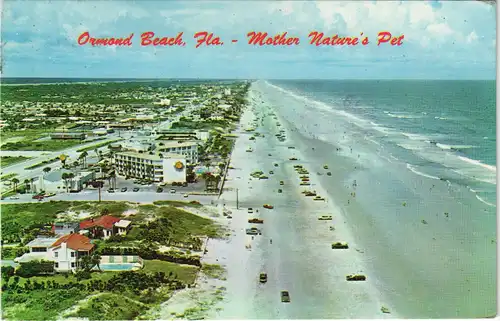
x: 166, y: 168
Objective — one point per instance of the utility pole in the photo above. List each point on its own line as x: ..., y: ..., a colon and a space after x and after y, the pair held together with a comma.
x: 237, y: 202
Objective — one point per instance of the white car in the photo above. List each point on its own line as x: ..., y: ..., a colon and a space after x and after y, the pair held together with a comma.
x: 186, y: 195
x: 172, y: 191
x: 14, y: 197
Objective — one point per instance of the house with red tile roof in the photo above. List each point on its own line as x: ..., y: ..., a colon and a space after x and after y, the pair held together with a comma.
x: 105, y: 226
x: 64, y: 251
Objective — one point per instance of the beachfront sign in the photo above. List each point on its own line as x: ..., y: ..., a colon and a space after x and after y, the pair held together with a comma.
x: 179, y: 165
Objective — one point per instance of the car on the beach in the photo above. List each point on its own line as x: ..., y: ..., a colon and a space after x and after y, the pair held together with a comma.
x: 329, y: 173
x: 124, y: 189
x: 268, y: 206
x: 304, y: 184
x: 253, y: 231
x: 285, y: 296
x: 14, y: 197
x: 263, y: 278
x: 250, y: 210
x: 159, y: 190
x: 271, y: 172
x: 263, y: 177
x: 355, y: 277
x: 282, y: 183
x: 318, y: 198
x: 325, y: 218
x: 340, y: 245
x: 249, y: 150
x: 256, y: 221
x: 280, y: 190
x: 293, y: 158
x: 325, y: 166
x: 310, y: 193
x: 186, y: 195
x: 136, y: 189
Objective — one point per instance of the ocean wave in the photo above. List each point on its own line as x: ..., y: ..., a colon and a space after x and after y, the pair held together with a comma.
x: 491, y: 168
x: 412, y: 147
x: 454, y: 147
x: 403, y: 116
x: 485, y: 202
x: 415, y: 136
x: 414, y: 170
x: 323, y: 106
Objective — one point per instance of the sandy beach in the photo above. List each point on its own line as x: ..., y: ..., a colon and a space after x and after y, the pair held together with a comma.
x: 299, y: 260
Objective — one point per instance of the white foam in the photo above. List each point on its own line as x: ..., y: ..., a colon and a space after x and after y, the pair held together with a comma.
x: 414, y: 170
x: 403, y: 116
x: 485, y: 202
x: 478, y: 163
x: 449, y: 147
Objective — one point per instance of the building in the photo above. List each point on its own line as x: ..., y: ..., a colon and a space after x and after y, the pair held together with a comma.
x: 67, y: 136
x: 109, y: 225
x: 159, y: 168
x: 53, y: 181
x: 187, y: 149
x: 62, y: 228
x: 63, y: 251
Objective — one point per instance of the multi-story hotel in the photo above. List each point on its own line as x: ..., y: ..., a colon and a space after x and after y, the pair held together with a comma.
x: 187, y: 149
x: 166, y: 168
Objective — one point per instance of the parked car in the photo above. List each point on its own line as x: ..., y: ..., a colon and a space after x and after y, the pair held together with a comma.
x: 263, y: 278
x: 14, y: 197
x: 282, y: 183
x: 355, y: 277
x: 136, y: 189
x: 285, y: 296
x: 111, y: 190
x: 340, y: 245
x: 268, y: 206
x: 124, y: 189
x: 186, y: 195
x: 172, y: 191
x: 253, y: 231
x: 250, y: 210
x: 256, y: 221
x: 185, y: 184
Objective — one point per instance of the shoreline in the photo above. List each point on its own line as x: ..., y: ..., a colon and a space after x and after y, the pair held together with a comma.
x: 242, y: 269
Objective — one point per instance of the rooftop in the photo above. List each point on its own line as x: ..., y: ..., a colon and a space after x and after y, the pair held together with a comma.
x: 75, y: 242
x: 42, y: 242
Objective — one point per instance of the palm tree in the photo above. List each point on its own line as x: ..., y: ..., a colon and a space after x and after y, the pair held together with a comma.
x: 70, y: 178
x: 83, y: 157
x: 27, y: 184
x: 32, y: 184
x: 65, y: 177
x: 15, y: 181
x: 112, y: 175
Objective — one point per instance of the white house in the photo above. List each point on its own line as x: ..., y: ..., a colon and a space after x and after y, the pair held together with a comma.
x: 64, y: 251
x: 53, y: 181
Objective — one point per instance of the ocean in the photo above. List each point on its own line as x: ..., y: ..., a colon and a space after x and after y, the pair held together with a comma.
x: 419, y: 158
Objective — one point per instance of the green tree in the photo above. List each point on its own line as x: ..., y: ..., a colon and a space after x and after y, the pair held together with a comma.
x: 15, y: 181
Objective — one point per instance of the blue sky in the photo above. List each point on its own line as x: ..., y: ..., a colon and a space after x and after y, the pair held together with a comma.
x: 443, y: 40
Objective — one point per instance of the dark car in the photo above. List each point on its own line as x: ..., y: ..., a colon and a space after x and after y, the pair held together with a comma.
x: 124, y: 189
x: 263, y: 278
x: 136, y: 189
x: 285, y: 296
x: 111, y: 190
x: 159, y: 190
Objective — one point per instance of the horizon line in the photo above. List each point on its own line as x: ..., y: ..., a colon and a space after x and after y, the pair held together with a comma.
x: 249, y: 79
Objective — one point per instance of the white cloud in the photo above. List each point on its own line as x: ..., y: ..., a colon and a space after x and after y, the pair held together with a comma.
x: 471, y: 37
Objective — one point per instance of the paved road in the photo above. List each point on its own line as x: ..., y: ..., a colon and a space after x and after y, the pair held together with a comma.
x: 22, y: 173
x: 129, y: 196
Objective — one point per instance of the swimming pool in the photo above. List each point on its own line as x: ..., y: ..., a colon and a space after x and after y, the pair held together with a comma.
x: 117, y: 266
